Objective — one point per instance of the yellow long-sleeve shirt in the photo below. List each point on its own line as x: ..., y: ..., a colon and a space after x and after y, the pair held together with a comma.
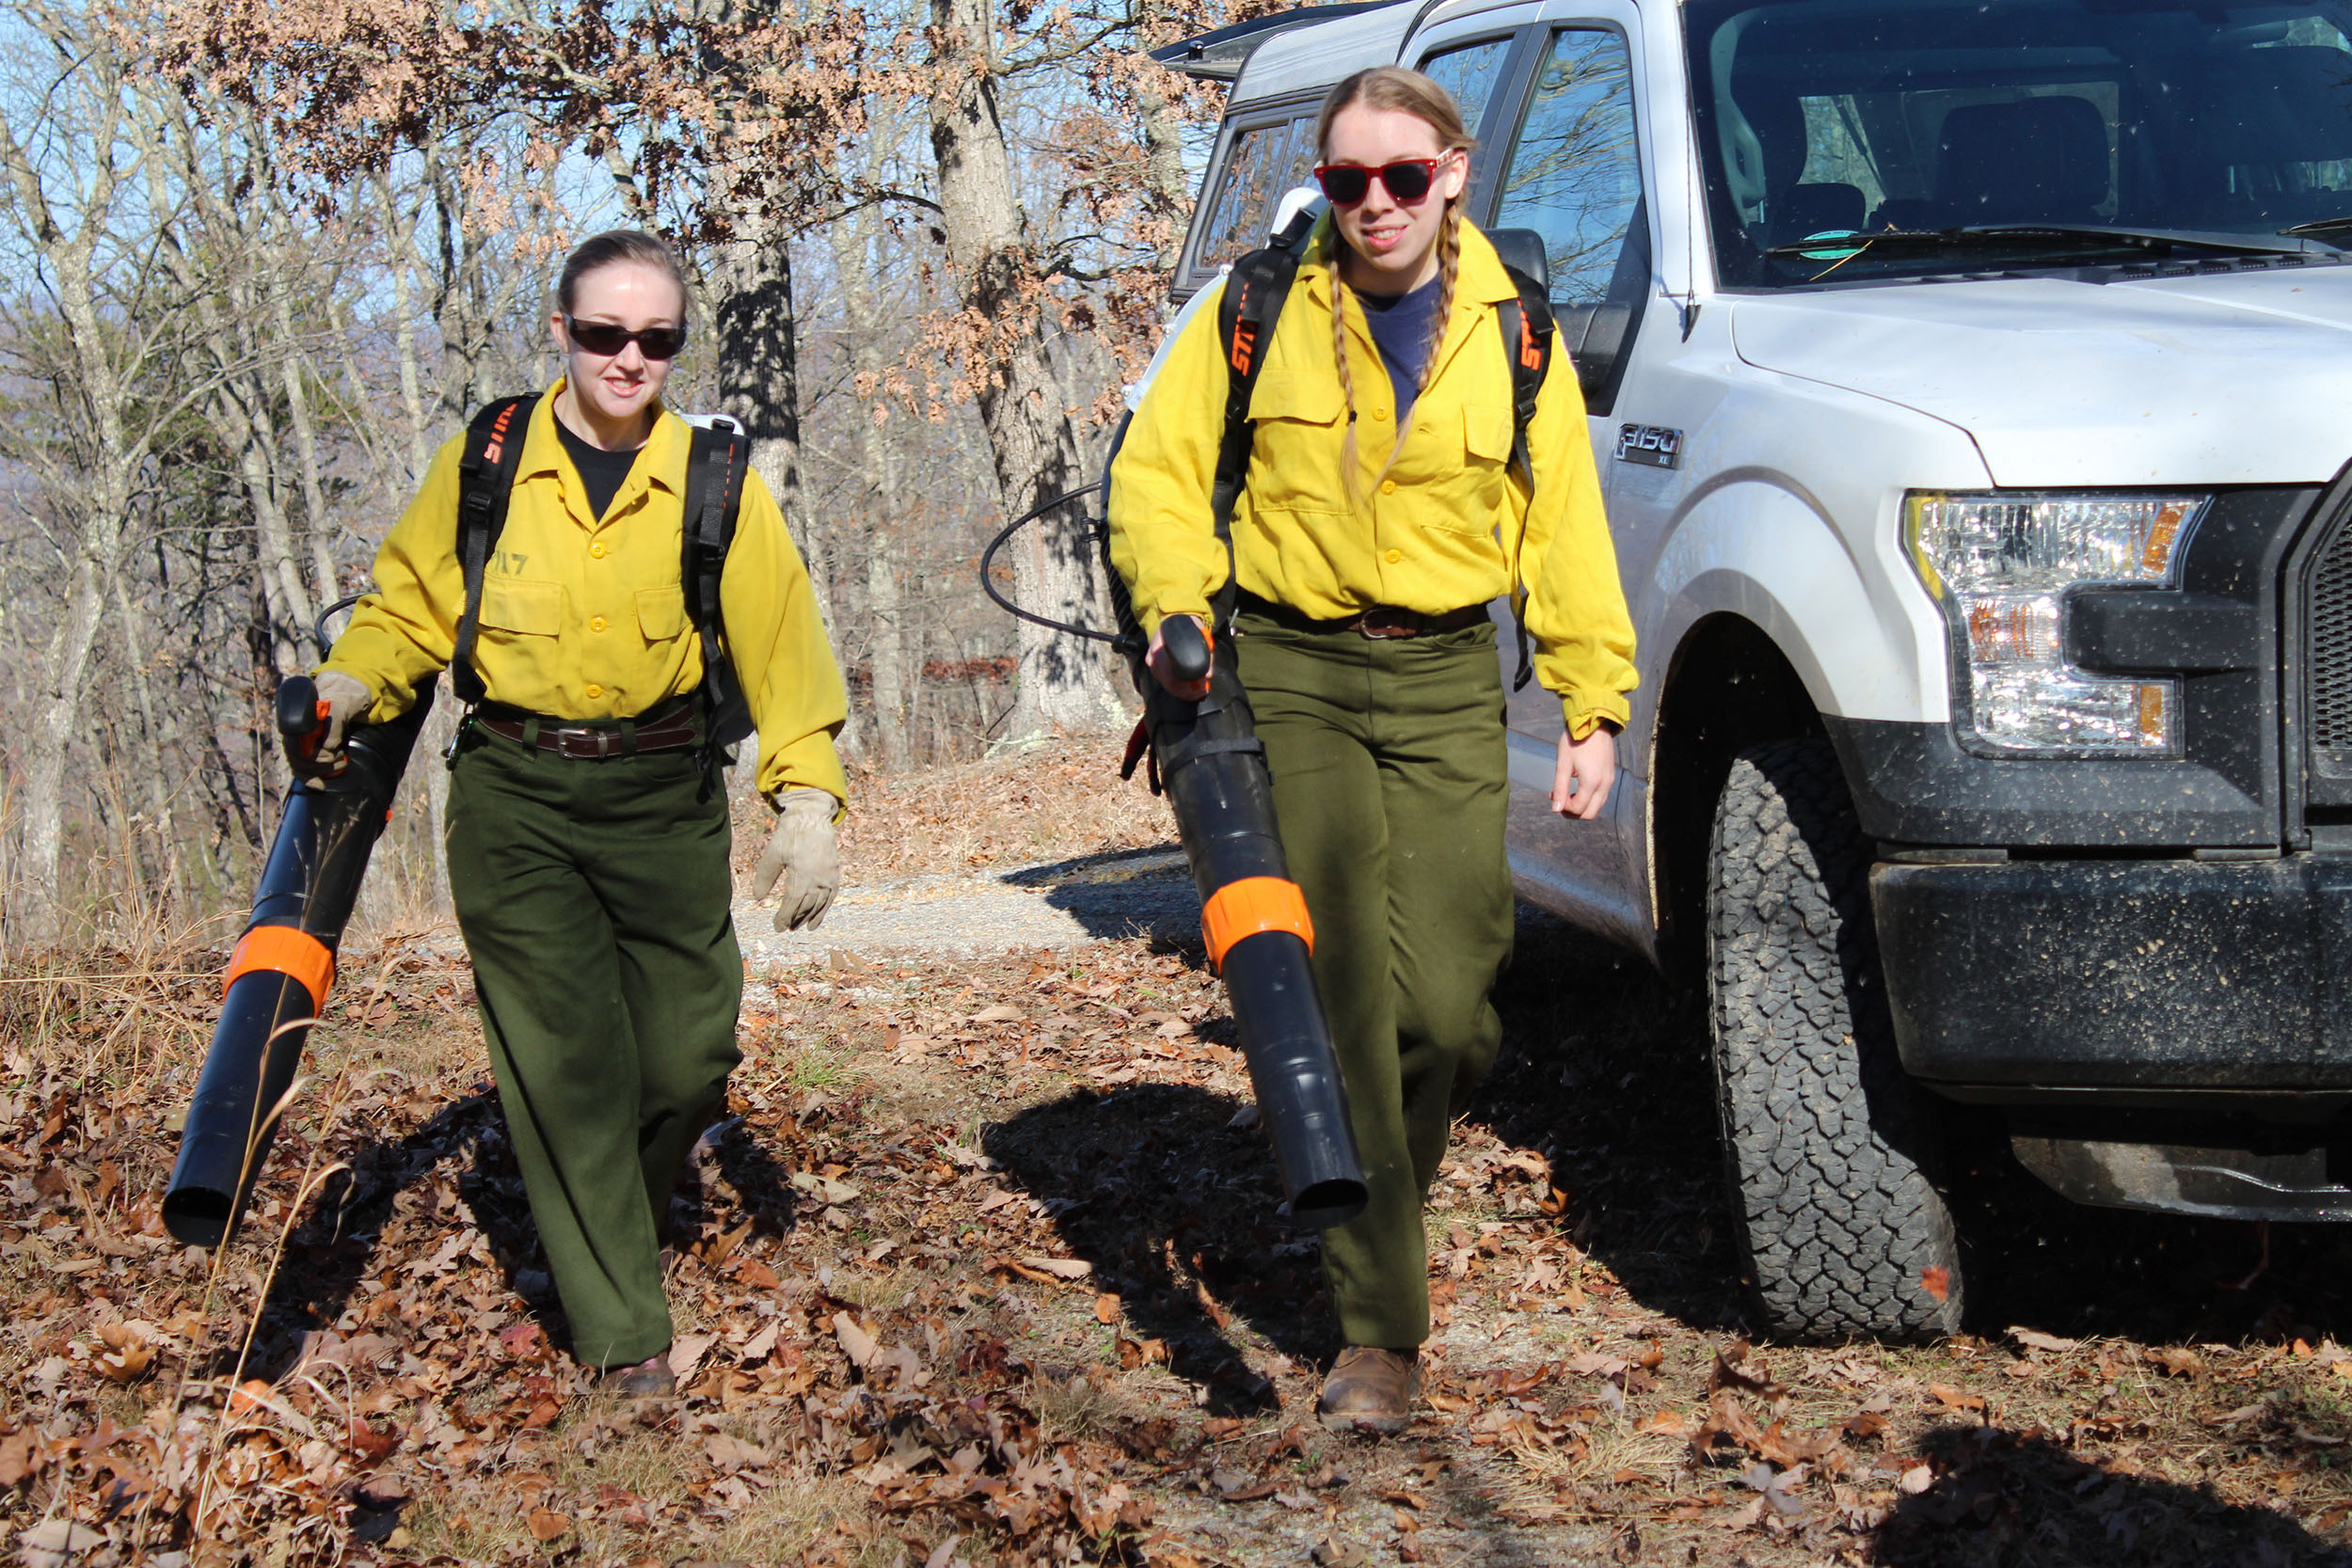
x: 1437, y: 531
x: 585, y: 618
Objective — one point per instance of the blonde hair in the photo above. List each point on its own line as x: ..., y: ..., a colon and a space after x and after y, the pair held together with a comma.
x: 1392, y: 86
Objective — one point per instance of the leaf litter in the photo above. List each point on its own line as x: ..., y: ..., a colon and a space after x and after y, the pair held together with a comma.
x: 1023, y: 1296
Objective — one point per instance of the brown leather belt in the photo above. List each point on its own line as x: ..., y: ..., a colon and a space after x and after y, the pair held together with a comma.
x: 1381, y: 623
x: 666, y: 729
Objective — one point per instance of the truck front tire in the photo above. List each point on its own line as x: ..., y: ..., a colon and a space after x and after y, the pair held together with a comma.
x: 1831, y: 1146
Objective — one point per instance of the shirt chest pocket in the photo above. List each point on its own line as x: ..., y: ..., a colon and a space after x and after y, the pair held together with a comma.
x: 523, y: 608
x: 1487, y: 431
x: 661, y: 612
x: 1296, y: 444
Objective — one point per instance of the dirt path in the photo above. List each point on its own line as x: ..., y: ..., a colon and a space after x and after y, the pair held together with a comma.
x: 985, y: 1268
x: 1055, y: 903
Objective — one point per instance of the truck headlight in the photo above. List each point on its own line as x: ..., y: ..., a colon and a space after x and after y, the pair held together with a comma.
x: 2001, y: 566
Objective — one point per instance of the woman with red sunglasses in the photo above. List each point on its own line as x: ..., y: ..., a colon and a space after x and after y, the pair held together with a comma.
x: 1380, y: 514
x: 588, y: 848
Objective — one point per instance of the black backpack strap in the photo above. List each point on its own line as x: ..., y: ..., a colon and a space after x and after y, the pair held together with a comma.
x: 1254, y: 292
x: 486, y: 480
x: 719, y: 456
x: 1529, y: 333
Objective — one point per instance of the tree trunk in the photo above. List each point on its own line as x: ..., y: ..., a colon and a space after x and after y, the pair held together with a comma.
x: 1064, y: 684
x: 759, y: 375
x: 884, y: 630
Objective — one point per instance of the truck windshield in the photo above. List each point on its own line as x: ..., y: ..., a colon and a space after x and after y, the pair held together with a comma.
x: 2188, y: 121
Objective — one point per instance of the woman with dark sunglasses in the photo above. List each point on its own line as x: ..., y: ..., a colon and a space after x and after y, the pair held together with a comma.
x: 588, y: 841
x: 1380, y: 514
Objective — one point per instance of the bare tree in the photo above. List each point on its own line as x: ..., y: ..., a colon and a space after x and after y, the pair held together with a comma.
x: 72, y: 188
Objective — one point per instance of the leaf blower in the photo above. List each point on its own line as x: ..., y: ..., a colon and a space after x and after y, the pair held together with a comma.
x: 285, y: 961
x: 1209, y: 761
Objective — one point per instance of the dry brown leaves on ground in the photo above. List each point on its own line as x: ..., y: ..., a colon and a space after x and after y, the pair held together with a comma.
x: 985, y: 1267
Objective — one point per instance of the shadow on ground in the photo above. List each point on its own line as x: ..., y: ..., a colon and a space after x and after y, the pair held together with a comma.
x: 335, y: 1245
x: 1131, y: 892
x: 1605, y: 1069
x: 1155, y: 1187
x: 2002, y: 1497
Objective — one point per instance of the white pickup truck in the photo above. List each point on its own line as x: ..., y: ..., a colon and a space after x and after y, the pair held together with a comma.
x: 1971, y: 382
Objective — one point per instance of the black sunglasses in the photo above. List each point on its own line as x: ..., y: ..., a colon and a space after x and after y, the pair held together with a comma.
x: 1408, y: 180
x: 604, y: 338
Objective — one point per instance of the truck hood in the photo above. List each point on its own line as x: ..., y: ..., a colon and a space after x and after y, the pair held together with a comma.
x: 2230, y: 378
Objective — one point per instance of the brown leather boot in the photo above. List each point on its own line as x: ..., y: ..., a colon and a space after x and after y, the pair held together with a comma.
x: 648, y: 1379
x: 1370, y: 1390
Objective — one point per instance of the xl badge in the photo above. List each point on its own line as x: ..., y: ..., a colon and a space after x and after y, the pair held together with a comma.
x: 1652, y: 445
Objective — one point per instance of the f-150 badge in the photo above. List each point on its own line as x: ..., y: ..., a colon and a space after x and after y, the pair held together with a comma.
x: 1653, y: 445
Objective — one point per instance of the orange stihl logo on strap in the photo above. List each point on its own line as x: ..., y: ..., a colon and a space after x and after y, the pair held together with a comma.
x: 1531, y: 353
x: 1245, y: 344
x: 490, y: 452
x: 1241, y: 910
x: 283, y: 950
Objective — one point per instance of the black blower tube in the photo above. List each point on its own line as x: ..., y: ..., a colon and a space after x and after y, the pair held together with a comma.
x: 278, y: 978
x: 1212, y: 765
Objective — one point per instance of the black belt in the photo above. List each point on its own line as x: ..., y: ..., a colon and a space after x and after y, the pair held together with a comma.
x: 669, y: 726
x: 1380, y: 623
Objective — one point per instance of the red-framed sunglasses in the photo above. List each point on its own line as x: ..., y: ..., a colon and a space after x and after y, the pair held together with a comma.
x: 606, y: 339
x: 1408, y: 180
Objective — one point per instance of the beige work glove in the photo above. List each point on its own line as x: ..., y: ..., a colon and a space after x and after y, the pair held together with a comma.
x: 347, y: 698
x: 804, y: 852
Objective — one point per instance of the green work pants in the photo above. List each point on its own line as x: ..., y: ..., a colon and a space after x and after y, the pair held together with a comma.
x: 595, y: 898
x: 1390, y: 785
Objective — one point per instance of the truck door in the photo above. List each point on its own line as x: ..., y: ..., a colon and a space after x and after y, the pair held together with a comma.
x: 1567, y: 163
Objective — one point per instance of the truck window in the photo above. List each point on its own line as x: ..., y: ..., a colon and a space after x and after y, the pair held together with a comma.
x: 1265, y: 161
x: 1574, y: 177
x: 1818, y: 119
x: 1470, y: 73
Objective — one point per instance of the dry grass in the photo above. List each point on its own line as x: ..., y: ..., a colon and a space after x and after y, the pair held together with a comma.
x: 1051, y: 801
x: 1590, y: 1344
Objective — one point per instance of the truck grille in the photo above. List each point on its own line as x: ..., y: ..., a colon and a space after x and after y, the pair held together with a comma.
x: 2327, y: 664
x: 2331, y: 666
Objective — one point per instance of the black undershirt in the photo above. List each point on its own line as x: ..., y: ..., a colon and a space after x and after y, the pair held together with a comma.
x: 603, y: 472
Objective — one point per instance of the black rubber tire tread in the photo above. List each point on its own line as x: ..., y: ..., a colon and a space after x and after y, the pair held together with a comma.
x: 1832, y: 1149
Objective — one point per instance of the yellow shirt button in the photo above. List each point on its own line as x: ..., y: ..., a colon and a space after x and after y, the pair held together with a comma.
x: 597, y: 549
x: 1394, y: 557
x: 1387, y: 487
x: 596, y: 624
x: 1381, y: 412
x: 595, y: 691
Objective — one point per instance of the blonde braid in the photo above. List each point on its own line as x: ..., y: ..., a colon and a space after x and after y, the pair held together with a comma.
x: 1351, y: 479
x: 1448, y: 269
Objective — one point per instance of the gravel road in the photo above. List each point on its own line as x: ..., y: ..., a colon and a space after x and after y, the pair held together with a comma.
x: 1056, y: 904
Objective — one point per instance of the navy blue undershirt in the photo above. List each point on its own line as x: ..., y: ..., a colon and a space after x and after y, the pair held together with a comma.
x: 1401, y: 327
x: 601, y: 472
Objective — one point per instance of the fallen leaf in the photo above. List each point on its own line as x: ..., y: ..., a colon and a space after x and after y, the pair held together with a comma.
x: 2177, y: 1360
x: 998, y: 1014
x: 2033, y: 1339
x: 1107, y: 1309
x: 367, y: 1442
x: 546, y: 1525
x: 732, y: 1453
x: 858, y: 1345
x: 1954, y: 1401
x: 824, y: 1187
x: 687, y: 1352
x: 1914, y: 1480
x: 1060, y: 1268
x: 1936, y: 1280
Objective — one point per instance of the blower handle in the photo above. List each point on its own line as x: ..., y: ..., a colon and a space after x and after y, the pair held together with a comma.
x: 1190, y: 653
x: 302, y: 726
